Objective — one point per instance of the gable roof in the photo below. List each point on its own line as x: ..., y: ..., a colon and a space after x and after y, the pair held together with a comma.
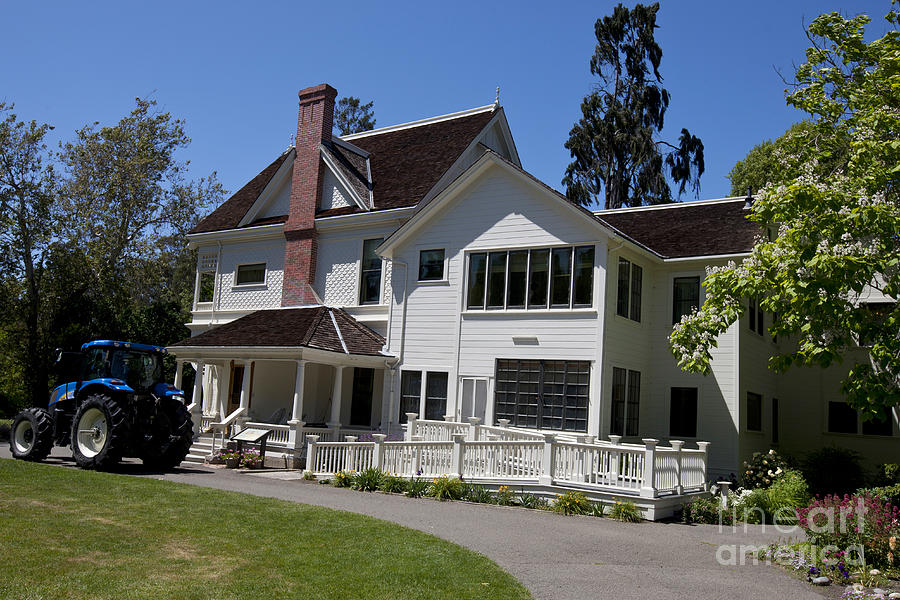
x: 404, y: 164
x: 427, y: 210
x: 319, y: 327
x: 229, y: 214
x: 685, y: 229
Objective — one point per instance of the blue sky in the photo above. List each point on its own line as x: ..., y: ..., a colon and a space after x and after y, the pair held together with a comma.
x: 232, y: 70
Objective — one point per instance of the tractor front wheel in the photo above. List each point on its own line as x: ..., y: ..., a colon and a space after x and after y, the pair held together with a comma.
x: 99, y: 433
x: 32, y: 435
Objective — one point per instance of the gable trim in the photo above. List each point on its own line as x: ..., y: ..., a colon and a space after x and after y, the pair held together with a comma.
x: 419, y: 123
x: 336, y: 171
x: 489, y: 159
x: 269, y: 191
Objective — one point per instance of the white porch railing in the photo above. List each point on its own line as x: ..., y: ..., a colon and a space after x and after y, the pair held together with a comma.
x: 642, y: 470
x: 224, y: 427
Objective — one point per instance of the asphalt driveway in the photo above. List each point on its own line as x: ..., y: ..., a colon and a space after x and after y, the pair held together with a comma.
x: 556, y: 557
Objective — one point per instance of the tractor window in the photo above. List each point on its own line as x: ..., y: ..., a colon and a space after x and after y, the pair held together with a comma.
x: 138, y: 369
x: 96, y: 366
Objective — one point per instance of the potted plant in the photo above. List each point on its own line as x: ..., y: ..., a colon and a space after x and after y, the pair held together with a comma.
x: 252, y: 460
x: 231, y: 458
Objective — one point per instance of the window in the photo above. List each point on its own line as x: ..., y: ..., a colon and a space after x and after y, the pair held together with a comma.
x: 683, y: 412
x: 626, y: 402
x: 756, y: 316
x: 531, y: 279
x: 628, y: 303
x: 251, y: 274
x: 435, y: 395
x: 370, y: 273
x: 410, y: 393
x: 477, y: 271
x: 543, y: 394
x: 431, y: 265
x: 841, y: 418
x: 883, y: 427
x: 754, y: 412
x: 206, y: 291
x: 686, y: 297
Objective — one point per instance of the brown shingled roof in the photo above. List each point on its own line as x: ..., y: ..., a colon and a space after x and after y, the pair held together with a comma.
x: 230, y: 212
x: 310, y: 327
x: 689, y: 229
x: 406, y: 163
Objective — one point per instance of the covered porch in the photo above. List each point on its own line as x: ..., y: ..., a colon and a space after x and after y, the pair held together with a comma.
x: 294, y: 372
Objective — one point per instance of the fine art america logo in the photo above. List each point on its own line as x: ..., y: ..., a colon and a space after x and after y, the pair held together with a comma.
x: 822, y: 521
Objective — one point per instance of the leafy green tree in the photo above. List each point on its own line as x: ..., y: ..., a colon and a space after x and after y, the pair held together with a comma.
x: 352, y: 116
x: 772, y: 163
x: 28, y: 222
x: 837, y: 233
x: 615, y: 146
x: 128, y: 205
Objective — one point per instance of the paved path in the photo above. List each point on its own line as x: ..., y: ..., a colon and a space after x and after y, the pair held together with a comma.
x: 556, y: 557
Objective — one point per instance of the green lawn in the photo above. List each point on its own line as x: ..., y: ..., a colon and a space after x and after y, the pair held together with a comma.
x: 67, y: 533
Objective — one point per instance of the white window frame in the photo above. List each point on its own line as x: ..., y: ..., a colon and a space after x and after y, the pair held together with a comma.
x: 251, y: 285
x: 527, y: 310
x: 359, y: 274
x: 445, y: 279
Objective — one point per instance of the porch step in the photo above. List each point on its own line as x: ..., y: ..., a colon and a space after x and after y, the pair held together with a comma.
x: 200, y: 450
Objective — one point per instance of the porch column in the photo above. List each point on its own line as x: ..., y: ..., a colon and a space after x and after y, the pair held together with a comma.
x: 179, y: 372
x: 297, y: 414
x: 223, y: 372
x: 337, y: 397
x: 197, y: 396
x: 245, y: 391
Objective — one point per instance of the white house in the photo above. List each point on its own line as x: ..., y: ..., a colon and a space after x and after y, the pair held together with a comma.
x: 419, y: 269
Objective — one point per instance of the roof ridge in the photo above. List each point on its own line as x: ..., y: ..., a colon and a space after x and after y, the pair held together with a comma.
x: 311, y: 330
x: 668, y: 205
x: 420, y: 122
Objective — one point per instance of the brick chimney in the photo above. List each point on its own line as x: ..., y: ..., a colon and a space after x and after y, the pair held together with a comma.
x: 314, y: 123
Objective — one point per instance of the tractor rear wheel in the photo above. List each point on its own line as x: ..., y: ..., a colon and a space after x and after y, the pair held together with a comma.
x: 32, y: 435
x: 99, y: 433
x: 173, y: 435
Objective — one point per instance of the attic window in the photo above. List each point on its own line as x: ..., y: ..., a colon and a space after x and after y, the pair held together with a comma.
x: 253, y: 274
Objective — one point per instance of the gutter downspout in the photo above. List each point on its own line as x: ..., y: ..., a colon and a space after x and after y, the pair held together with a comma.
x: 399, y: 359
x: 602, y: 303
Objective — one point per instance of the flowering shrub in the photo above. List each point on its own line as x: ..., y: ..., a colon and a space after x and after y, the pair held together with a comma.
x: 625, y: 511
x: 763, y: 469
x: 228, y: 454
x: 572, y: 503
x: 447, y: 488
x: 251, y: 459
x: 706, y: 511
x: 854, y: 522
x: 343, y: 479
x: 504, y: 496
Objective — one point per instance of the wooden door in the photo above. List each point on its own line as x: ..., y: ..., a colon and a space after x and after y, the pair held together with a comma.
x: 361, y: 404
x: 236, y: 384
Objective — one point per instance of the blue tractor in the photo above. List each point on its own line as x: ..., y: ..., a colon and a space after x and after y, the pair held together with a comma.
x: 114, y: 405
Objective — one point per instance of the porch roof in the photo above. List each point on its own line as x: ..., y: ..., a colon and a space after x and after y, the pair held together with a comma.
x: 316, y: 327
